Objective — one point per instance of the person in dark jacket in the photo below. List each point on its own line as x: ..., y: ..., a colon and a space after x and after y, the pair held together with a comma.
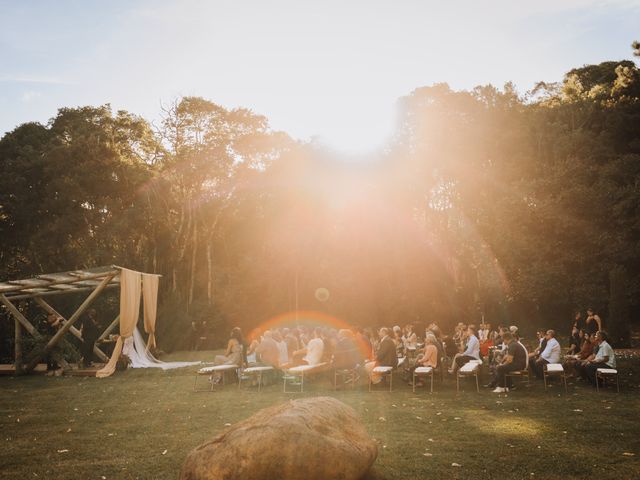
x: 385, y: 355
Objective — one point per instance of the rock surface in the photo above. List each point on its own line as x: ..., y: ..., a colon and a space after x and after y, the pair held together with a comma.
x: 312, y: 438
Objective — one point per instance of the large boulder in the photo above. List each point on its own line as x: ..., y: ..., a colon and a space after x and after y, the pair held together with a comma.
x: 312, y: 438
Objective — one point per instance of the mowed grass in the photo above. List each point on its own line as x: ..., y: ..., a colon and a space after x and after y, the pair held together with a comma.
x: 140, y: 424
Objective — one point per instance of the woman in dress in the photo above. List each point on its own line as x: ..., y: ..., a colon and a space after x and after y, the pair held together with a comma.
x: 234, y: 355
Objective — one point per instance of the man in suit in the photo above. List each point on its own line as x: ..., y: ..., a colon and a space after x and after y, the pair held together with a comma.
x: 385, y: 355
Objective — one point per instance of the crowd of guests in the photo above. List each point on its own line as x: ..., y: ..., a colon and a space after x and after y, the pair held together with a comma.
x: 502, y: 349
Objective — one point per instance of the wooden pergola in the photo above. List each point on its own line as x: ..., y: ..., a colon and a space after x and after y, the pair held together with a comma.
x: 94, y: 280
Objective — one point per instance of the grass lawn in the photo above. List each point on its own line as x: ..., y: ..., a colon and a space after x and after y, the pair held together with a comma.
x: 141, y: 424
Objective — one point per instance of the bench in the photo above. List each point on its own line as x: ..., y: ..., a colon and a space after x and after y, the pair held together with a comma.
x: 254, y: 372
x: 603, y: 374
x: 295, y: 375
x: 210, y: 371
x: 469, y: 369
x: 554, y: 370
x: 422, y: 372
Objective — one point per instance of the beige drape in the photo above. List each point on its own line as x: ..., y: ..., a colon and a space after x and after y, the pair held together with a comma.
x: 130, y: 286
x: 150, y: 298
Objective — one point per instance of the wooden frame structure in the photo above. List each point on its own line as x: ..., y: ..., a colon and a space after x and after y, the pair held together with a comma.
x: 94, y: 280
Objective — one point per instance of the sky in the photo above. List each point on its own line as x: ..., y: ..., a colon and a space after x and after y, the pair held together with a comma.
x: 326, y: 70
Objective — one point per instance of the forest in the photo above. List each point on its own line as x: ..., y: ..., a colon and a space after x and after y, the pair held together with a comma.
x: 486, y: 204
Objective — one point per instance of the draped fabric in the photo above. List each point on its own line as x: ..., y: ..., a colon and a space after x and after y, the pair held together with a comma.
x: 135, y: 348
x: 150, y: 298
x: 130, y: 287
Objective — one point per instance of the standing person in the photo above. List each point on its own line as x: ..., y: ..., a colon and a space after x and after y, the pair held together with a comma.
x: 578, y: 321
x: 52, y: 325
x: 550, y: 354
x: 515, y: 359
x: 471, y: 352
x: 89, y: 336
x: 575, y: 341
x: 385, y: 355
x: 593, y: 323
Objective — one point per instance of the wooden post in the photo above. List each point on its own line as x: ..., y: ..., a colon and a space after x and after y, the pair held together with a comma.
x: 65, y: 328
x: 19, y: 317
x: 18, y: 347
x: 76, y: 333
x: 110, y: 328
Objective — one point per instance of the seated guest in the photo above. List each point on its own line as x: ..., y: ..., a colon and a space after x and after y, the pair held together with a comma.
x: 267, y: 350
x: 542, y: 343
x: 410, y: 339
x: 472, y: 351
x: 605, y: 358
x: 550, y: 354
x: 430, y: 356
x: 312, y: 353
x: 283, y: 358
x: 234, y: 355
x: 398, y: 340
x: 292, y: 343
x: 385, y: 355
x: 573, y: 363
x: 515, y: 359
x: 575, y: 340
x: 346, y: 354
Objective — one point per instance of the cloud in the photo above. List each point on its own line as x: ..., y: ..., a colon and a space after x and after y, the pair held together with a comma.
x: 30, y: 95
x: 8, y: 78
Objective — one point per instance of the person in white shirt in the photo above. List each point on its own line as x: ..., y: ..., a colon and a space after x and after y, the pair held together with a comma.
x: 313, y: 350
x: 551, y: 354
x: 605, y: 358
x: 472, y: 352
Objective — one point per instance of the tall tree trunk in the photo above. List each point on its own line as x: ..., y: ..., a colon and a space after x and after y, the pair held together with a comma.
x: 192, y: 273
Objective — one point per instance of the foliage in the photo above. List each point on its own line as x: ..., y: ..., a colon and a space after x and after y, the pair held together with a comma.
x: 518, y: 209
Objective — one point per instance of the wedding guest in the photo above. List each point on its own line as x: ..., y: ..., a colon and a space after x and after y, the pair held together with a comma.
x: 430, y: 356
x: 471, y: 352
x: 593, y: 323
x: 312, y: 353
x: 233, y: 355
x: 346, y: 354
x: 514, y: 360
x: 385, y: 355
x: 605, y: 358
x: 90, y: 334
x: 267, y: 350
x: 550, y: 354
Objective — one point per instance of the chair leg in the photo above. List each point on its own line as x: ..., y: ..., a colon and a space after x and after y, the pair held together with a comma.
x: 457, y: 383
x: 195, y: 381
x: 544, y: 377
x: 564, y: 377
x: 414, y: 382
x: 431, y: 381
x: 391, y: 381
x: 597, y: 382
x: 617, y: 384
x: 477, y: 384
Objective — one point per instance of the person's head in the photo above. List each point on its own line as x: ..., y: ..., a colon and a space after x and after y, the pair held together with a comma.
x: 581, y: 333
x: 513, y: 329
x: 237, y: 334
x: 507, y: 337
x: 550, y: 334
x: 574, y: 331
x: 397, y: 331
x: 51, y: 317
x: 267, y: 334
x: 430, y: 339
x: 91, y: 313
x: 542, y: 333
x: 409, y: 328
x: 601, y: 336
x: 590, y: 311
x: 383, y: 332
x: 317, y: 332
x: 577, y: 314
x: 471, y: 330
x: 344, y: 333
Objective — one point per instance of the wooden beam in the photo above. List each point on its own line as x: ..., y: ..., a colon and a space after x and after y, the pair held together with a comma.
x: 74, y: 331
x: 18, y: 347
x: 109, y: 328
x: 56, y: 292
x: 76, y: 315
x: 77, y: 278
x: 19, y: 317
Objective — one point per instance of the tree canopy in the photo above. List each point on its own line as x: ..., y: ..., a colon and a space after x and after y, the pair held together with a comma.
x: 486, y: 204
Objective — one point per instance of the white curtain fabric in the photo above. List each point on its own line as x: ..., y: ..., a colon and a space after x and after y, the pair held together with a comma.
x: 138, y: 353
x: 150, y: 299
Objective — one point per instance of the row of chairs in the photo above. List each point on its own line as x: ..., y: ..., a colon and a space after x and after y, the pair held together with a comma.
x: 295, y: 376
